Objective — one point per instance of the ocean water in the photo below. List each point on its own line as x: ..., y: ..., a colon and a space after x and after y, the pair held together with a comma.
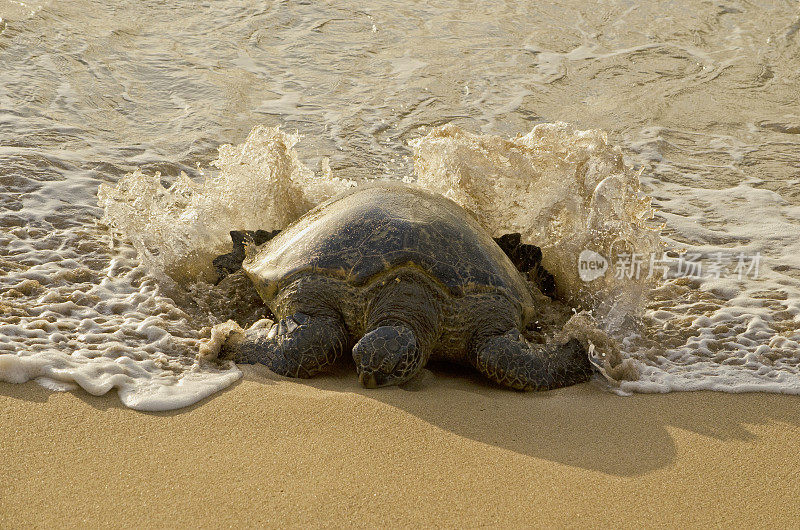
x: 652, y: 149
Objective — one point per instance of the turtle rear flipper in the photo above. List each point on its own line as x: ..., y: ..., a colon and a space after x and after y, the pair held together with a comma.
x: 232, y: 261
x: 528, y: 260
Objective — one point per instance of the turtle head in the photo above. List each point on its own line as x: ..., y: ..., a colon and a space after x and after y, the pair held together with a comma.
x: 387, y: 355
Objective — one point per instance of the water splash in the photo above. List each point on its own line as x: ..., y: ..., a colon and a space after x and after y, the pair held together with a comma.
x: 565, y: 190
x: 177, y: 231
x: 562, y: 189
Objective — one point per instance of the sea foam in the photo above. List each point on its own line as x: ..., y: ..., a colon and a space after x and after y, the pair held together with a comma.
x: 136, y: 317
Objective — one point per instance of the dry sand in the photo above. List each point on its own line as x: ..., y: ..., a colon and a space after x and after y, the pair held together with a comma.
x: 454, y: 452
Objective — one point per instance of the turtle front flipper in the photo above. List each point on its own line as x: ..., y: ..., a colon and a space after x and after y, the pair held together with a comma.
x: 510, y: 360
x: 299, y: 345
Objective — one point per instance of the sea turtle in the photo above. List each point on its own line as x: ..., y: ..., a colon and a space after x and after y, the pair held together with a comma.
x: 401, y: 275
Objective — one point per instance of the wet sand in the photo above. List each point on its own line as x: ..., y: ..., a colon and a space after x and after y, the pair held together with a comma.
x: 455, y: 452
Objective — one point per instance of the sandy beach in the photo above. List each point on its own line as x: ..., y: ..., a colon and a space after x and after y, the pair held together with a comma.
x: 649, y: 149
x: 451, y: 452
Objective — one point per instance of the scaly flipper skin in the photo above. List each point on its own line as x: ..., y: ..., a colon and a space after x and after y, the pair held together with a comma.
x: 510, y: 360
x: 299, y: 345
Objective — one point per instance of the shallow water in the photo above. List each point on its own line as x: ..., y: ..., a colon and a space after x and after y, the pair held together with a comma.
x: 701, y: 101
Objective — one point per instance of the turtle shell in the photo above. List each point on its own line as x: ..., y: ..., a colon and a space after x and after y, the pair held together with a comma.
x: 374, y: 229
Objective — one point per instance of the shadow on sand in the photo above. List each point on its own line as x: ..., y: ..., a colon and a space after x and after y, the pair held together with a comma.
x: 582, y: 426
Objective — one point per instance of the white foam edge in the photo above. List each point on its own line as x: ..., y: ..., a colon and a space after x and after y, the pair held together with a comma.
x: 135, y: 385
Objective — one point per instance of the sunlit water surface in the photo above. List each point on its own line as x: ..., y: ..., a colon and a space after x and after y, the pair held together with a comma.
x: 693, y: 105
